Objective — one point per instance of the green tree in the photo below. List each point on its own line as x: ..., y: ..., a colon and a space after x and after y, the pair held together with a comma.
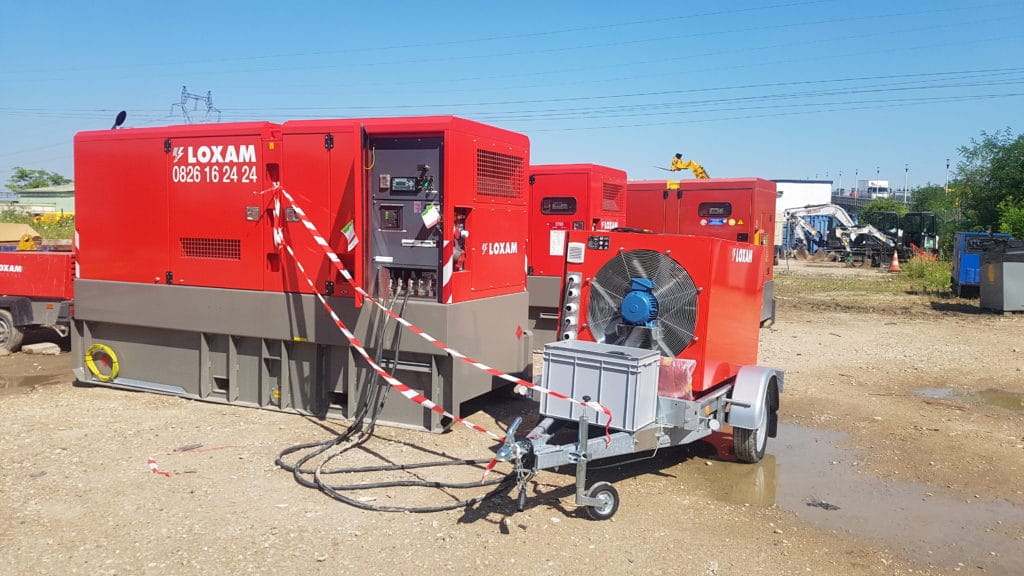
x: 884, y: 205
x: 992, y: 170
x: 932, y: 198
x: 25, y: 179
x: 1011, y: 217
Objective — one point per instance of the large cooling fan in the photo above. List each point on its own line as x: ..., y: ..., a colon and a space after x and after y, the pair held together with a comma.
x: 645, y: 299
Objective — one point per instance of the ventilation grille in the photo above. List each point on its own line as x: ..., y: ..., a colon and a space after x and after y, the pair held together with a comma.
x: 499, y: 174
x: 611, y: 199
x: 215, y: 248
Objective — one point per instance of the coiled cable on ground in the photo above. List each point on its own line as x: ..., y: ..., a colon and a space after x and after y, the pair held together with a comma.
x: 371, y: 401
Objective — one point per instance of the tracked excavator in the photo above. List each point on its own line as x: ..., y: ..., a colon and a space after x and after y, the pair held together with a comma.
x: 857, y: 245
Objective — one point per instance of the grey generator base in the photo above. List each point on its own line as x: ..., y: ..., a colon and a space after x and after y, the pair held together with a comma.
x: 283, y: 352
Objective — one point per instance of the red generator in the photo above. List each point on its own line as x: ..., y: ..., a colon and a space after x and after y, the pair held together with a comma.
x: 740, y: 209
x: 565, y: 197
x: 36, y: 290
x: 192, y: 295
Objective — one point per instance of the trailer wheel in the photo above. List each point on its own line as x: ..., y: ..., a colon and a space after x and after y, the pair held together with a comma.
x: 10, y: 335
x: 609, y: 498
x: 749, y: 445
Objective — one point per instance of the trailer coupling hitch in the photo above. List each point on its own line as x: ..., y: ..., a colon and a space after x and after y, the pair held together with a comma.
x: 520, y: 455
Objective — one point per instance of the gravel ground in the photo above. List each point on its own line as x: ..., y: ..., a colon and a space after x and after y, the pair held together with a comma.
x: 897, y: 408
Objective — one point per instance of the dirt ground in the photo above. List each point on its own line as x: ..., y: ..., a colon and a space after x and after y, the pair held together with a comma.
x: 901, y: 452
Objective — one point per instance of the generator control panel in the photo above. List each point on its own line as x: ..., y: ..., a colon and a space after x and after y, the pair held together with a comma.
x: 406, y: 213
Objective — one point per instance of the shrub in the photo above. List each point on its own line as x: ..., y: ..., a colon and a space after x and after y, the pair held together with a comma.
x: 933, y: 275
x: 63, y: 229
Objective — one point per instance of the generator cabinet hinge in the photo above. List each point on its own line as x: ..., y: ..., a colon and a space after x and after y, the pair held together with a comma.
x: 329, y: 141
x: 167, y: 146
x: 170, y: 277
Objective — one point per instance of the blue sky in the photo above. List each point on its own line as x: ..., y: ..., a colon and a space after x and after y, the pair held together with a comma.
x: 775, y: 89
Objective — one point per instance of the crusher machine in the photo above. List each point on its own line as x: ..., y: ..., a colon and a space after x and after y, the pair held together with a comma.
x: 565, y: 197
x: 184, y: 287
x: 662, y: 330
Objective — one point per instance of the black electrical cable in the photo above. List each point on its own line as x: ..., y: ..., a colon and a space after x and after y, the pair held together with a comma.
x: 371, y: 402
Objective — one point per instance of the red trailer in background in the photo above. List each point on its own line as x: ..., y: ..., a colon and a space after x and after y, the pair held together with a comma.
x: 36, y: 290
x: 738, y: 209
x: 565, y: 197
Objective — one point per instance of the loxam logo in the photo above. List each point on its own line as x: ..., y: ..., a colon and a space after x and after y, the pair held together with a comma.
x: 499, y: 248
x: 215, y: 154
x: 742, y: 255
x: 10, y: 268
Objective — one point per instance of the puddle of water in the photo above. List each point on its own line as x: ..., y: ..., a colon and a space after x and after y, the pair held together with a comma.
x: 14, y: 384
x: 991, y: 397
x: 805, y: 466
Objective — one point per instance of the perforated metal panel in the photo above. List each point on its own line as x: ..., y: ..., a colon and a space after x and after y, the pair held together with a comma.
x: 499, y: 174
x: 215, y: 248
x: 673, y: 288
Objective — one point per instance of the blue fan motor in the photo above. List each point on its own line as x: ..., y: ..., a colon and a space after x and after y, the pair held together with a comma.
x: 640, y: 307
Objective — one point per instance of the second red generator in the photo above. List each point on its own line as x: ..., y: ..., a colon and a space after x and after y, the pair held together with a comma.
x: 565, y: 197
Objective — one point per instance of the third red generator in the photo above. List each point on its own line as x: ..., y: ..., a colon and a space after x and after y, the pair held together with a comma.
x: 739, y: 209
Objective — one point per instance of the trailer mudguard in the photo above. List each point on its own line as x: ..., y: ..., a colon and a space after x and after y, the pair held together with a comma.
x: 747, y: 401
x: 20, y: 308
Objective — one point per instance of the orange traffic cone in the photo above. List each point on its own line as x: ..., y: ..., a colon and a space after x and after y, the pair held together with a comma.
x: 895, y: 265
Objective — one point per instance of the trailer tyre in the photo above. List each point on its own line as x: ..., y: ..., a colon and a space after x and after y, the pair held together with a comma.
x: 609, y: 497
x: 10, y: 335
x: 749, y: 445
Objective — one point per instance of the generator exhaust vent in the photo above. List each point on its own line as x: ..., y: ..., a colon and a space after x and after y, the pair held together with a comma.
x: 499, y: 174
x: 211, y: 248
x: 673, y: 289
x: 611, y: 197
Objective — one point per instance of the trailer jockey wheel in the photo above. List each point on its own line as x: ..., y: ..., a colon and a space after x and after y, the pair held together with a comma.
x: 102, y: 362
x: 609, y: 498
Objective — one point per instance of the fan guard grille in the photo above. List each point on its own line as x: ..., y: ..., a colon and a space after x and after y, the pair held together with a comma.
x: 673, y: 288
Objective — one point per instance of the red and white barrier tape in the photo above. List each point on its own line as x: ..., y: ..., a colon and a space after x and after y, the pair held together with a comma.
x: 340, y: 267
x: 156, y: 469
x: 448, y: 257
x: 359, y: 348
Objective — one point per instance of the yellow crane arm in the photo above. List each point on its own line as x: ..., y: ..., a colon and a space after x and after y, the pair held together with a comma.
x: 679, y: 164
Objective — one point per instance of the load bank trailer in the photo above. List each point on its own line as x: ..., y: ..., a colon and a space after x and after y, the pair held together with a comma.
x: 662, y: 330
x: 738, y: 209
x: 565, y: 197
x: 184, y: 288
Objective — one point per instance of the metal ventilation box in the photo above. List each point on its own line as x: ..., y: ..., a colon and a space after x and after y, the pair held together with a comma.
x: 623, y: 379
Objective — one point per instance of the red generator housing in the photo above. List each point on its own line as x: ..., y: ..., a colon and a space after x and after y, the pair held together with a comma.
x: 178, y: 206
x: 708, y: 292
x: 194, y: 296
x: 565, y: 197
x: 380, y: 175
x: 739, y: 209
